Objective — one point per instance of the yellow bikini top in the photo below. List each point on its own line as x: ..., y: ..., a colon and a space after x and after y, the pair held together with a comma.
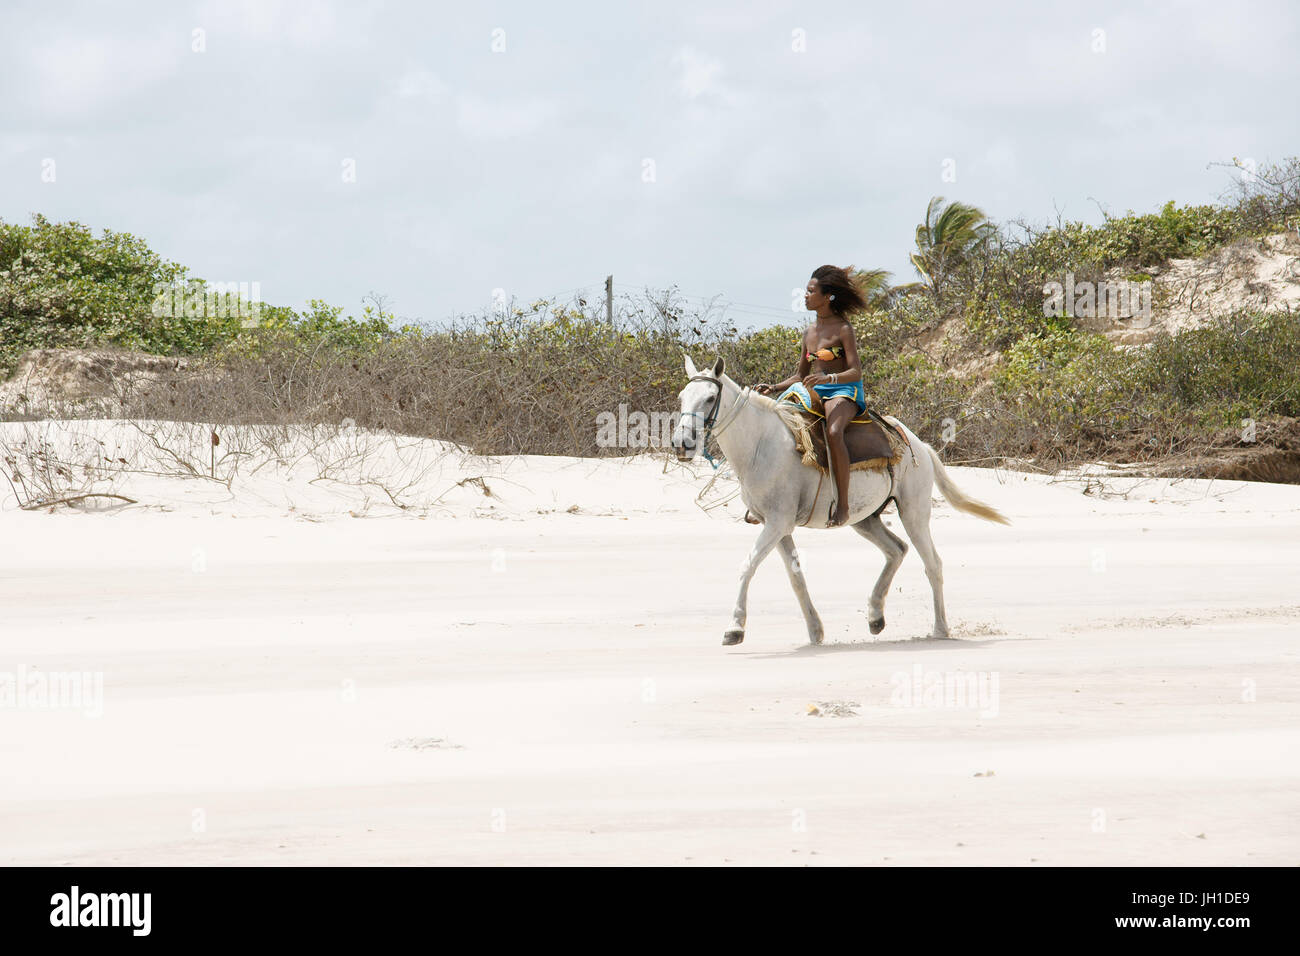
x: 826, y: 355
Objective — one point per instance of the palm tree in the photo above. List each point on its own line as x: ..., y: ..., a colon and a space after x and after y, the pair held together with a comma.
x: 876, y: 288
x: 949, y: 237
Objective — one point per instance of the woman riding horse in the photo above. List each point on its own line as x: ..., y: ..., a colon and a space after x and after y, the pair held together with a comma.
x: 834, y: 295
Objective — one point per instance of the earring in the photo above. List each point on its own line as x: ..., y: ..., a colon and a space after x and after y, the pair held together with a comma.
x: 832, y: 298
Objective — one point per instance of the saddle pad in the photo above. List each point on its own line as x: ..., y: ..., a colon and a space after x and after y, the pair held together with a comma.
x: 812, y: 403
x: 869, y: 446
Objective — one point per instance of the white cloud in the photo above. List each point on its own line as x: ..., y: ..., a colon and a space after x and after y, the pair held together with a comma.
x: 228, y: 161
x: 1000, y: 160
x: 74, y: 74
x: 500, y: 119
x: 698, y: 73
x: 422, y: 84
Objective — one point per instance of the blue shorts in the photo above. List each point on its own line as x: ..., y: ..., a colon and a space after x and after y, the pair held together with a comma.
x: 853, y: 390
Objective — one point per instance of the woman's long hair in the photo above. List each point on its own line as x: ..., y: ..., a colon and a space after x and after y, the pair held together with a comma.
x: 841, y: 283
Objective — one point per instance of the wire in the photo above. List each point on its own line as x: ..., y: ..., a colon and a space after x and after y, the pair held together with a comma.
x: 566, y: 292
x: 748, y: 309
x: 775, y: 310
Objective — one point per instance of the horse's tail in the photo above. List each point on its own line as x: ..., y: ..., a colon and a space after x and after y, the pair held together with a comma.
x: 957, y: 498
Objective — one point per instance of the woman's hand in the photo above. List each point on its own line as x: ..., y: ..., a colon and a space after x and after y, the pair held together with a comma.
x: 763, y: 388
x: 815, y: 379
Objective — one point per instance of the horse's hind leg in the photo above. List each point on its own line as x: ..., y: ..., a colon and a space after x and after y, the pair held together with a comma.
x: 894, y: 549
x: 793, y: 568
x: 915, y: 514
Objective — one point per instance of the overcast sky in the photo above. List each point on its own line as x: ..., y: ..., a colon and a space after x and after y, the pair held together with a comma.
x: 727, y: 148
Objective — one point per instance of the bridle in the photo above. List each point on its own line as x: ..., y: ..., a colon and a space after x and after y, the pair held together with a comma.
x: 711, y: 427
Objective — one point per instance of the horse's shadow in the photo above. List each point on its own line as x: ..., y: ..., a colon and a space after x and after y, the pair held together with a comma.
x: 910, y: 646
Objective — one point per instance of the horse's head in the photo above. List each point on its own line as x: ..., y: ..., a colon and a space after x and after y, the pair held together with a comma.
x: 699, y: 400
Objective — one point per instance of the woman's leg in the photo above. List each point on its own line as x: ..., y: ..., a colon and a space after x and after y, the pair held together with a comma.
x: 839, y: 412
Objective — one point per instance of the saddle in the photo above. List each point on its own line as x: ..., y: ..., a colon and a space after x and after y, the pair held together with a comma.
x: 871, y: 441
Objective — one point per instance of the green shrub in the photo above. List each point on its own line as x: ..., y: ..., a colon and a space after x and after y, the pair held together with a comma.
x: 62, y: 287
x: 1174, y: 233
x: 533, y: 379
x: 1244, y: 365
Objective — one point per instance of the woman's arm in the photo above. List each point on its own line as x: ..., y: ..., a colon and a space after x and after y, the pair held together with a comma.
x: 852, y: 364
x: 799, y: 376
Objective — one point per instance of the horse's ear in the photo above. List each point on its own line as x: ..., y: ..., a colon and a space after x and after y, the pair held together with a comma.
x: 690, y: 366
x: 717, y: 367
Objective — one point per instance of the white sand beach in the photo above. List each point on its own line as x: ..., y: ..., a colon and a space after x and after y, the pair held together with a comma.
x: 303, y: 673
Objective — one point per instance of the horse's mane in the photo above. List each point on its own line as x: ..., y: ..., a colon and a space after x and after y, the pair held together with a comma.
x: 762, y: 401
x: 788, y: 412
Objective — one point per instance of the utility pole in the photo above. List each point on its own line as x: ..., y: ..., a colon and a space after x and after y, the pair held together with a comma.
x: 609, y: 299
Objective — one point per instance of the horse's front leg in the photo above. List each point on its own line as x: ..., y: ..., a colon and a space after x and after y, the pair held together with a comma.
x: 795, y: 570
x: 767, y: 540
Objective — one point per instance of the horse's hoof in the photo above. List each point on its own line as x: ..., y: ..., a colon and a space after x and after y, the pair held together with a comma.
x: 750, y: 519
x: 734, y: 636
x: 816, y: 638
x: 876, y: 626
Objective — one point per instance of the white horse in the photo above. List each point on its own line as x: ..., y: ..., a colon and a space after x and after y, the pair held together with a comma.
x: 785, y: 493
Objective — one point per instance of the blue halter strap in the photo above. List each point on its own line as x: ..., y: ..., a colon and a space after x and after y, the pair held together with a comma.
x: 709, y: 419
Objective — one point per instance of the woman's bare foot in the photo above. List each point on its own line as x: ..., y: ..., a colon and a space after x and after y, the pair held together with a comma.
x: 837, y: 515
